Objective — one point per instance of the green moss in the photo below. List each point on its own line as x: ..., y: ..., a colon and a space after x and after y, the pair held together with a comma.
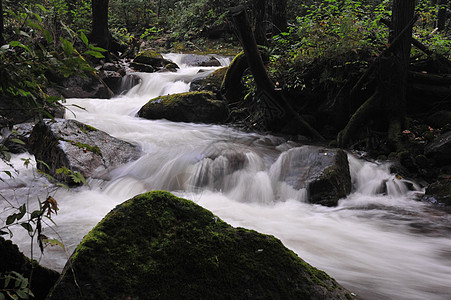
x: 160, y: 246
x: 85, y: 147
x: 86, y: 128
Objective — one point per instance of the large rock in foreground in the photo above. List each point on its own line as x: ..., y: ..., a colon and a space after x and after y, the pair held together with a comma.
x: 323, y: 172
x: 196, y: 107
x: 78, y: 147
x: 158, y: 246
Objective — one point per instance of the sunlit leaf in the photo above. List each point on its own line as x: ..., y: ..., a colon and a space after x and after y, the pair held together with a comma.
x: 94, y: 53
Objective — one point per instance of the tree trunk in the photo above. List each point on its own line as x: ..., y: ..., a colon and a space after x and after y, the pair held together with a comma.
x: 275, y: 107
x: 396, y: 68
x: 279, y: 16
x: 100, y: 35
x: 390, y: 95
x: 441, y: 15
x: 2, y: 39
x: 259, y: 20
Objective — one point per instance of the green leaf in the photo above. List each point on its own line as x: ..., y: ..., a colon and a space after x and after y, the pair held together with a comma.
x: 48, y: 36
x: 35, y: 214
x: 46, y: 165
x: 18, y: 44
x: 84, y: 38
x: 27, y: 227
x: 55, y: 242
x: 67, y: 46
x: 2, y: 296
x: 22, y: 211
x: 94, y: 53
x: 10, y: 219
x: 8, y: 173
x: 92, y: 47
x: 17, y: 141
x: 22, y: 294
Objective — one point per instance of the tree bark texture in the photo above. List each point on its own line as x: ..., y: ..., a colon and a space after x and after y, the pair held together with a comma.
x: 279, y: 16
x: 394, y: 85
x: 100, y: 34
x: 441, y: 15
x: 259, y: 20
x: 2, y: 39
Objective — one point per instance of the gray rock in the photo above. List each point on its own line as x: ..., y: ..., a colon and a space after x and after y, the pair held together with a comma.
x: 78, y: 147
x: 323, y: 172
x: 195, y: 60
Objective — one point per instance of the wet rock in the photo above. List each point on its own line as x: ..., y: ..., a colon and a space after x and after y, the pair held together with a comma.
x: 78, y: 147
x: 440, y: 149
x: 151, y: 61
x: 197, y: 107
x: 158, y: 246
x: 89, y: 85
x: 210, y: 83
x: 13, y: 260
x: 323, y: 172
x: 195, y: 60
x: 439, y: 192
x: 16, y: 141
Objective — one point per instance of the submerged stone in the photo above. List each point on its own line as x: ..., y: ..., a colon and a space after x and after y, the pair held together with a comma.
x: 197, y: 107
x: 158, y: 246
x: 78, y: 147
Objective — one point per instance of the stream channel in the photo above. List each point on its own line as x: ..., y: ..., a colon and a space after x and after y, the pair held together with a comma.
x: 379, y: 246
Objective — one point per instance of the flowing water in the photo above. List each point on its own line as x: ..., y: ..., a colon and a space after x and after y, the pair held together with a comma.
x: 378, y: 245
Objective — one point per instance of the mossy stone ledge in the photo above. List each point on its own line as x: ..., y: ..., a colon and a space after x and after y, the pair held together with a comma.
x: 158, y: 246
x: 193, y: 107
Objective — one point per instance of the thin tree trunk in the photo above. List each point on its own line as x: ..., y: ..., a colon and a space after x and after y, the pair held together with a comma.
x: 2, y: 39
x: 395, y: 68
x: 277, y: 108
x: 100, y: 34
x: 441, y: 15
x: 279, y: 16
x: 259, y: 10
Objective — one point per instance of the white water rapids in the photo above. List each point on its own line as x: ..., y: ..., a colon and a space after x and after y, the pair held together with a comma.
x: 379, y: 246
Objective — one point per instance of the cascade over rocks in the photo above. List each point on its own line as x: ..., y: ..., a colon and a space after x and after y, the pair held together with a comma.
x: 151, y: 61
x: 13, y: 260
x: 78, y: 147
x: 196, y: 60
x: 323, y: 172
x: 196, y: 107
x: 156, y: 245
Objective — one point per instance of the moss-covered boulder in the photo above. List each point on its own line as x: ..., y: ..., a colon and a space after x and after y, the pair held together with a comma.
x: 196, y: 107
x: 79, y: 148
x: 210, y: 83
x: 12, y: 260
x: 158, y: 246
x: 151, y: 61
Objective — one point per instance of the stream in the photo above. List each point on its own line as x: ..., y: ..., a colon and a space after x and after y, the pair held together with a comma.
x: 379, y: 246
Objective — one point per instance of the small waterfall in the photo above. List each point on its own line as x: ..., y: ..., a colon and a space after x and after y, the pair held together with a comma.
x: 379, y: 242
